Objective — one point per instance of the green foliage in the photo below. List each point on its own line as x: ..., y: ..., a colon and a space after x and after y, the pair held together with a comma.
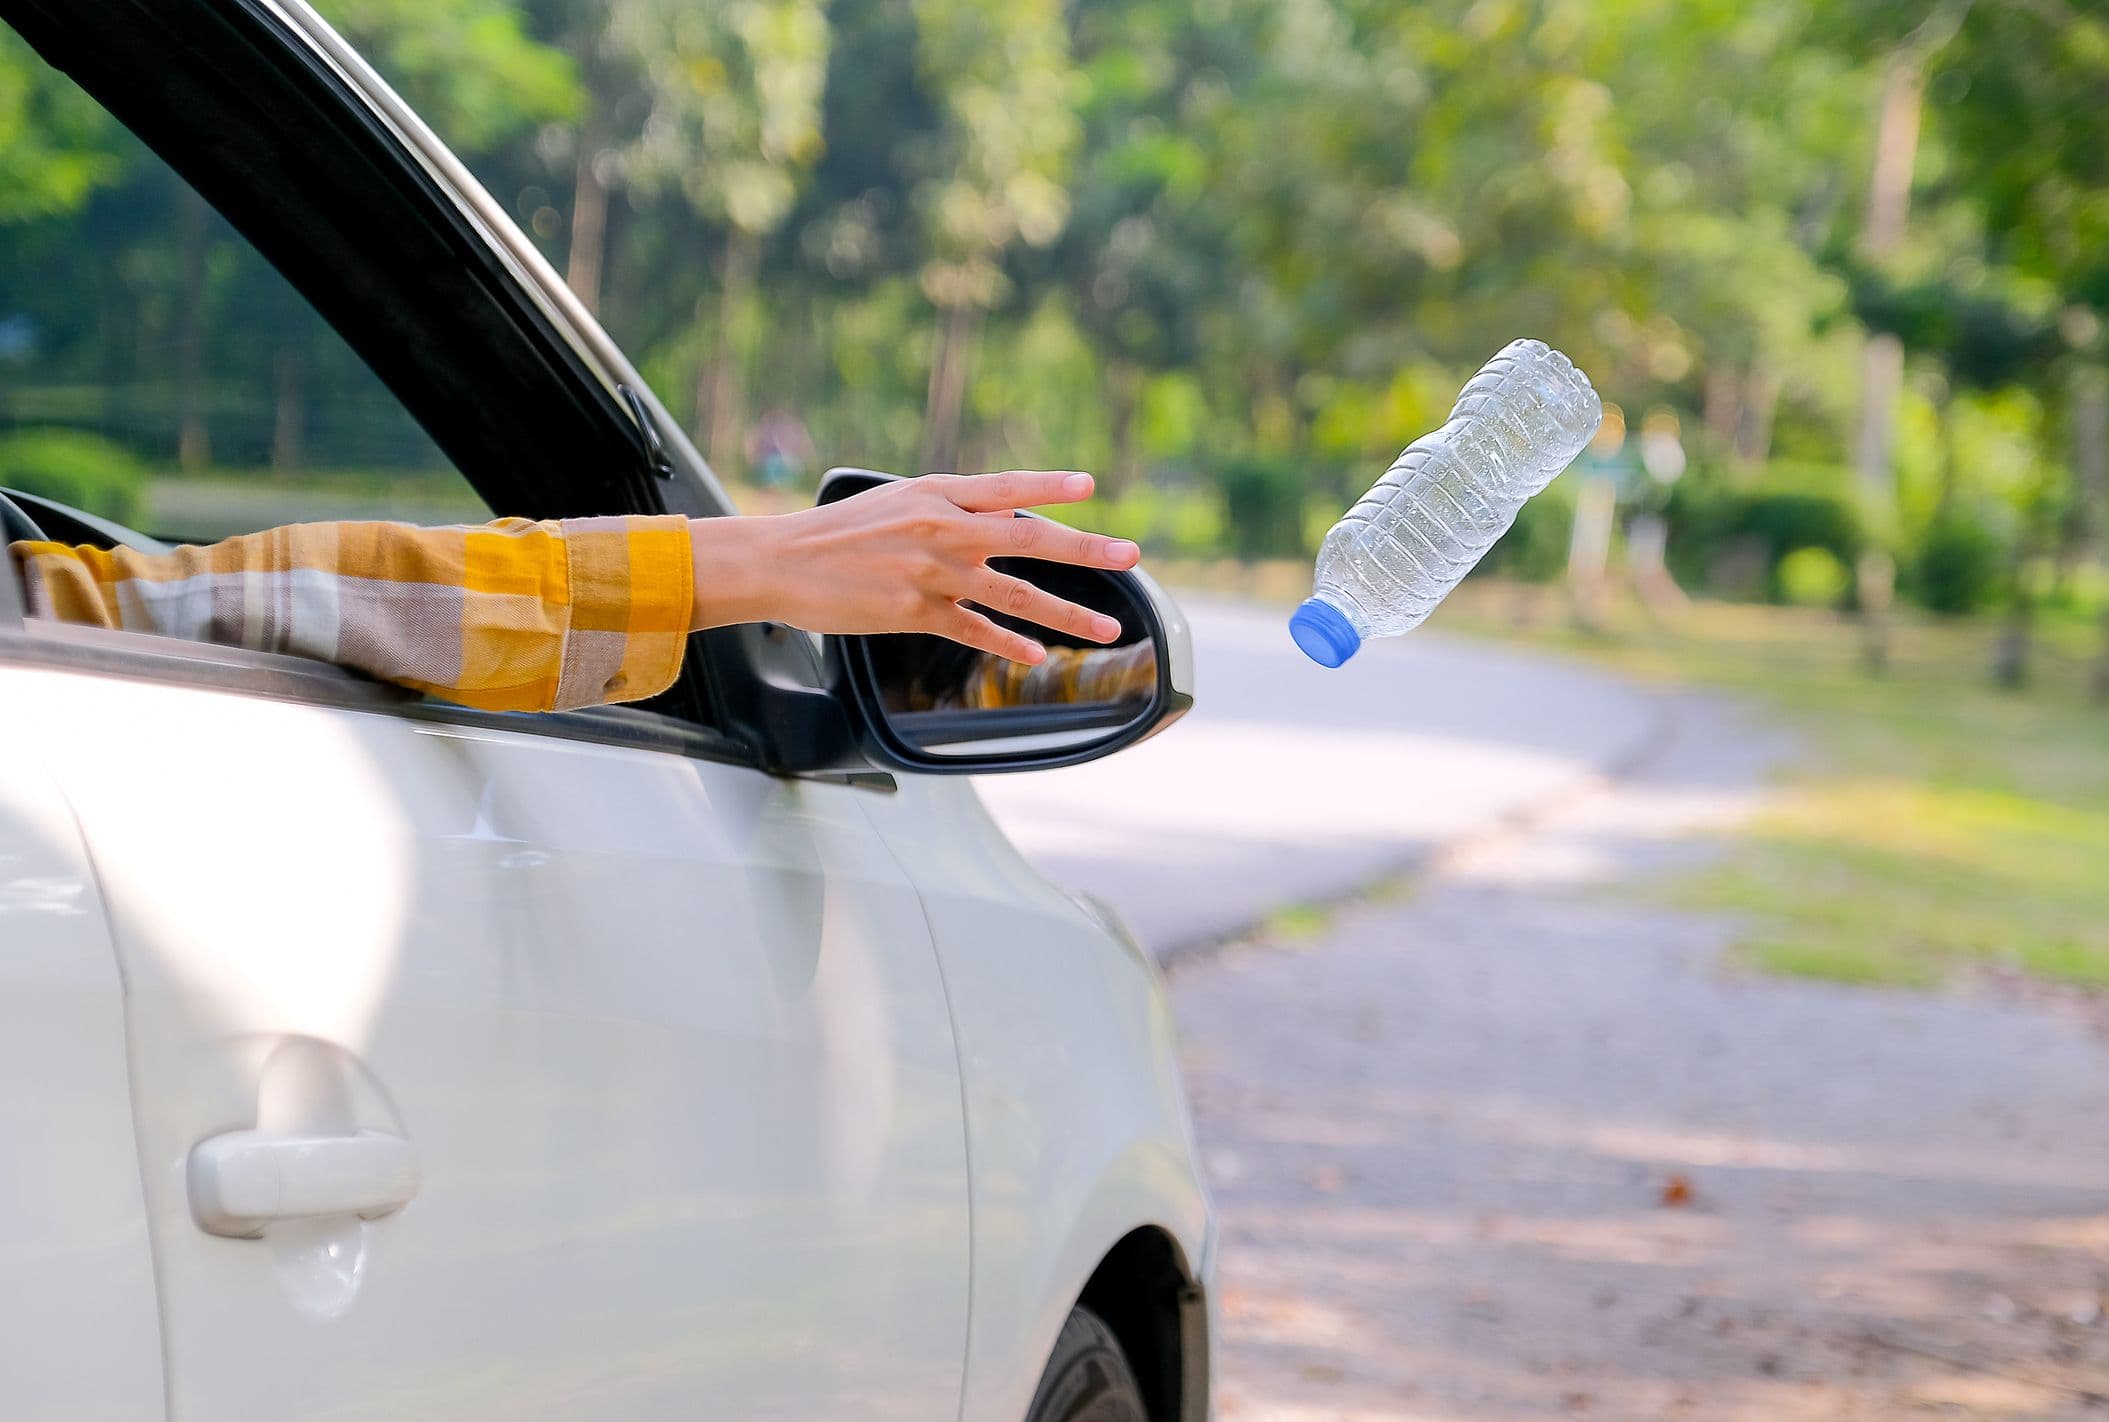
x: 1263, y: 505
x: 80, y: 470
x: 1534, y: 550
x: 1179, y: 523
x: 734, y: 93
x: 56, y: 147
x: 1002, y: 72
x: 1813, y: 577
x: 1718, y: 531
x: 469, y: 67
x: 1137, y: 235
x: 1961, y: 564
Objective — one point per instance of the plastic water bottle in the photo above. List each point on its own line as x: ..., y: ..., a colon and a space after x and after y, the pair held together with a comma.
x: 1446, y: 500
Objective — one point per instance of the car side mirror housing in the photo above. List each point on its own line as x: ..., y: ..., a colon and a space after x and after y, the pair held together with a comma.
x: 930, y: 705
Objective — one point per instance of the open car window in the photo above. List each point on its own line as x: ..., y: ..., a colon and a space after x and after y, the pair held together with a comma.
x: 352, y: 343
x: 157, y: 371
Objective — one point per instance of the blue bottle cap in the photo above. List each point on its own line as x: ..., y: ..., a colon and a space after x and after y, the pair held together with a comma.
x: 1324, y: 633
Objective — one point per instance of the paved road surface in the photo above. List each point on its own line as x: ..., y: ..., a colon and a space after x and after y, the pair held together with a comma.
x: 1290, y: 783
x: 1528, y: 1145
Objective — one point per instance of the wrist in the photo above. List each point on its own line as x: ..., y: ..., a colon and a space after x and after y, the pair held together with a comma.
x: 736, y: 573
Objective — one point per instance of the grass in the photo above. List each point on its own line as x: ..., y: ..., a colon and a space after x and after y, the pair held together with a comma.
x: 1300, y: 922
x: 1940, y: 825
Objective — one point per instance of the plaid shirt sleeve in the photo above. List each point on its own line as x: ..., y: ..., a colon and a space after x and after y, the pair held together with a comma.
x: 508, y: 616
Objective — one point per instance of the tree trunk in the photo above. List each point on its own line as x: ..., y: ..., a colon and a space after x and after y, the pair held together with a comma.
x: 948, y: 385
x: 589, y: 216
x: 2011, y: 648
x: 2090, y: 459
x: 1723, y: 409
x: 289, y: 414
x: 1888, y: 204
x: 720, y: 394
x: 193, y: 438
x: 1125, y: 378
x: 1875, y: 592
x: 1951, y: 471
x: 1760, y: 403
x: 2101, y: 664
x: 1874, y: 448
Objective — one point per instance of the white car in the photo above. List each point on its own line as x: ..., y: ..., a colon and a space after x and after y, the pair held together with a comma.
x: 367, y: 1057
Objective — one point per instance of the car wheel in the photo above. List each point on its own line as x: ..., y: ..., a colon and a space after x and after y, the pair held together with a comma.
x: 1088, y: 1378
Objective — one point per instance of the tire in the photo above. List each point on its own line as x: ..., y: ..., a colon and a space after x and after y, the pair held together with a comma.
x: 1088, y: 1378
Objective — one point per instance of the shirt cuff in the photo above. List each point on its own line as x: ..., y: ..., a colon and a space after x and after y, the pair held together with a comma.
x: 631, y: 583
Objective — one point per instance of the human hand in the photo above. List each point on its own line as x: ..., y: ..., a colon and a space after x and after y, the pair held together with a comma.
x: 905, y: 557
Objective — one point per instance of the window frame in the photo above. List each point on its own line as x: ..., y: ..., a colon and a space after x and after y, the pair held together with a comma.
x: 503, y: 302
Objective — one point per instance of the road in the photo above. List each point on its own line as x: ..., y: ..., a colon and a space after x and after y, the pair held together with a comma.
x: 1289, y: 783
x: 1526, y: 1144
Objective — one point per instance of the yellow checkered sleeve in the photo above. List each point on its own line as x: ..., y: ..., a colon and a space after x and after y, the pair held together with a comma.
x: 507, y: 616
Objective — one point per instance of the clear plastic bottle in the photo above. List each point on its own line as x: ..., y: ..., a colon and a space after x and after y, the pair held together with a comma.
x: 1442, y: 505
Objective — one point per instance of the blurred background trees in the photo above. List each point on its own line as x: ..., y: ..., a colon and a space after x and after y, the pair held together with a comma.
x: 1851, y: 255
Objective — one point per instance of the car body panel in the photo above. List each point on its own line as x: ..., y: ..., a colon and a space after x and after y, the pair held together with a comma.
x: 666, y: 1037
x: 79, y: 1333
x: 1075, y: 1108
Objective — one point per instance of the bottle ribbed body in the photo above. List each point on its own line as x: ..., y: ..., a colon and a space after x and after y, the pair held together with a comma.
x: 1452, y: 494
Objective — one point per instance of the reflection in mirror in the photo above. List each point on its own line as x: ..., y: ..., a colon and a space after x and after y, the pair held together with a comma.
x: 945, y: 699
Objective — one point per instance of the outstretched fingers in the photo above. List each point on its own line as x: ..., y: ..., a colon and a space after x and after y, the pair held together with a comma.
x: 1010, y: 536
x: 963, y: 624
x: 997, y: 529
x: 1016, y: 489
x: 1021, y: 599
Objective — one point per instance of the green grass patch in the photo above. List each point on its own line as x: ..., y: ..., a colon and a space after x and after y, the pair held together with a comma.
x: 1939, y: 823
x: 1299, y: 923
x: 1848, y: 961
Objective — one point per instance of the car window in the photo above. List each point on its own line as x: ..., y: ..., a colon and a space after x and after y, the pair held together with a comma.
x: 154, y: 368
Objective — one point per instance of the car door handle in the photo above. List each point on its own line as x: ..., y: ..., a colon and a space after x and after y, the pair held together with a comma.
x: 243, y: 1180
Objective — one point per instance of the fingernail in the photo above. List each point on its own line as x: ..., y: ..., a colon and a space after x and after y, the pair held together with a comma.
x: 1077, y: 486
x: 1107, y: 628
x: 1120, y: 550
x: 1035, y: 653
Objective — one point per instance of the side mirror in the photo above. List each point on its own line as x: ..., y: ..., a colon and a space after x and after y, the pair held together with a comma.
x: 931, y: 705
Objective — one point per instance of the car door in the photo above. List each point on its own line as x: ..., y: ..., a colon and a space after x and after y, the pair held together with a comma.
x: 482, y: 1066
x: 79, y: 1338
x: 662, y: 1038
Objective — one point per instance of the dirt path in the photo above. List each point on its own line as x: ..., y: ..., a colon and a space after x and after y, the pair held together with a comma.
x: 1525, y: 1145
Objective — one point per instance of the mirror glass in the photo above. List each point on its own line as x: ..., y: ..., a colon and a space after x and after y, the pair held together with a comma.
x: 943, y: 699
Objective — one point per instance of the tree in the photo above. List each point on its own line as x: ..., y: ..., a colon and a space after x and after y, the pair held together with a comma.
x: 56, y: 146
x: 470, y: 67
x: 735, y: 93
x: 1008, y: 91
